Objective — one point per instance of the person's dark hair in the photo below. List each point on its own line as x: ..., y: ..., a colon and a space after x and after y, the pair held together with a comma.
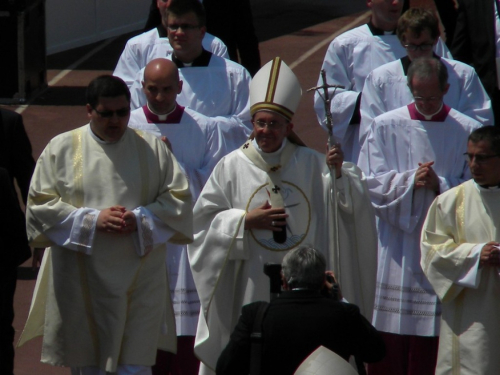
x: 487, y: 133
x: 304, y: 267
x: 182, y: 7
x: 416, y: 20
x: 427, y: 67
x: 106, y: 86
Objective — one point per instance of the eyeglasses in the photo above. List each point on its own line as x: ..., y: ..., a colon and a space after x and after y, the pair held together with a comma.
x: 184, y: 26
x: 422, y: 47
x: 272, y: 125
x: 107, y: 114
x: 479, y: 158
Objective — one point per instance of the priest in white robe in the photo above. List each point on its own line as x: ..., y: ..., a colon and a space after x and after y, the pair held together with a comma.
x: 349, y: 59
x: 411, y: 154
x: 106, y: 199
x: 269, y: 187
x: 196, y: 142
x: 461, y: 259
x: 213, y: 86
x: 386, y: 88
x: 154, y: 43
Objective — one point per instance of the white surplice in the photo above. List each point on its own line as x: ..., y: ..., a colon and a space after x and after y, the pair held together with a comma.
x: 349, y: 59
x: 405, y: 302
x: 220, y: 91
x: 459, y: 222
x: 386, y: 89
x: 150, y: 45
x: 195, y: 141
x: 102, y: 299
x: 227, y: 260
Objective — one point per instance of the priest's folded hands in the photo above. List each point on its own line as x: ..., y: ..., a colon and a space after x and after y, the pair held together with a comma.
x: 116, y: 219
x: 490, y: 254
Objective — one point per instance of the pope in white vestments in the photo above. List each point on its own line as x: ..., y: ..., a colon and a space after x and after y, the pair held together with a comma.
x: 266, y: 180
x: 105, y: 198
x: 349, y: 59
x: 461, y: 259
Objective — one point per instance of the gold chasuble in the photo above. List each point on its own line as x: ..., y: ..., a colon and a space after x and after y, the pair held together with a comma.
x: 106, y: 303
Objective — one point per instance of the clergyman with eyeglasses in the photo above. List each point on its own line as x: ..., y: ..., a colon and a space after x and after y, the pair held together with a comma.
x: 411, y: 155
x: 105, y: 198
x: 386, y: 89
x: 461, y: 259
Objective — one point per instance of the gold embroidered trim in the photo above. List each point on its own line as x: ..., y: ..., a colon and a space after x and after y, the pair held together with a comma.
x: 272, y: 107
x: 273, y: 79
x: 147, y: 235
x: 460, y: 214
x: 86, y: 231
x: 77, y: 199
x: 455, y: 339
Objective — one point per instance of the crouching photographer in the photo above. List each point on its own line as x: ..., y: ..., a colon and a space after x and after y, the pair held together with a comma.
x: 296, y: 323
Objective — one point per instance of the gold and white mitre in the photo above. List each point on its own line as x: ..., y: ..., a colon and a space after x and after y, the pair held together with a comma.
x: 275, y: 88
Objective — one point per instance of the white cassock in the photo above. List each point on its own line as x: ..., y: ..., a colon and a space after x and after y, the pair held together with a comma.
x: 458, y: 224
x: 405, y: 302
x: 195, y: 144
x: 102, y: 299
x: 386, y: 89
x: 227, y: 260
x: 153, y: 44
x: 219, y: 89
x: 349, y: 59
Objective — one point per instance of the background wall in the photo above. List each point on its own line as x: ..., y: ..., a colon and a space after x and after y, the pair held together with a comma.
x: 74, y: 23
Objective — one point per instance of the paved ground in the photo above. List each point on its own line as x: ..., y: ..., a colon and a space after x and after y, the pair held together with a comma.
x: 299, y: 31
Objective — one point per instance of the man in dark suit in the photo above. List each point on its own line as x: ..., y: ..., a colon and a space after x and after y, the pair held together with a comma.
x: 474, y: 44
x: 232, y: 21
x: 299, y: 321
x: 15, y: 150
x: 15, y: 162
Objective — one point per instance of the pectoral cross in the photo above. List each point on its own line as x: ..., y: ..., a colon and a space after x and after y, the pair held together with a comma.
x: 275, y: 189
x: 245, y: 146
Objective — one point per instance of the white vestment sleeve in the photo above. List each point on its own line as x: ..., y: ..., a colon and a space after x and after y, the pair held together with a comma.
x: 215, y: 149
x: 236, y: 126
x: 372, y: 105
x: 443, y: 260
x: 338, y: 72
x: 391, y: 192
x: 217, y: 47
x: 470, y: 276
x: 137, y: 97
x: 151, y: 231
x: 474, y: 101
x: 77, y: 231
x: 129, y: 63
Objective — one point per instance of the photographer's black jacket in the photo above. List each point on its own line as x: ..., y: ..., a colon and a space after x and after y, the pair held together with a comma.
x: 295, y: 325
